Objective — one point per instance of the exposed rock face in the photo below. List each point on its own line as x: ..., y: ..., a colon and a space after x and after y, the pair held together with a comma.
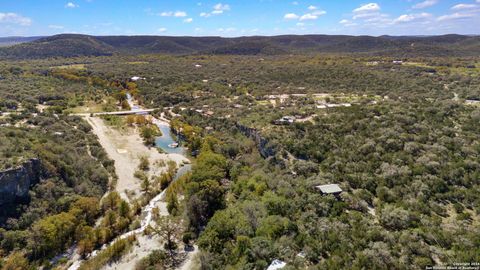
x: 15, y: 183
x: 265, y: 149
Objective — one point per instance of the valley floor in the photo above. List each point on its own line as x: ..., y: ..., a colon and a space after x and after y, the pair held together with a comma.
x: 126, y: 148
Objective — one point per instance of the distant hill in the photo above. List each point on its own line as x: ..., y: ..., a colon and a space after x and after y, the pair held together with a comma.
x: 70, y: 45
x: 65, y: 45
x: 10, y: 41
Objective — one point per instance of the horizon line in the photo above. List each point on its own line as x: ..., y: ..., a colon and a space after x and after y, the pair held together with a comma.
x: 155, y: 35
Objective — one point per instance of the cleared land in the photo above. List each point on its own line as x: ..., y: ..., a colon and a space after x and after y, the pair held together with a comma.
x: 126, y: 148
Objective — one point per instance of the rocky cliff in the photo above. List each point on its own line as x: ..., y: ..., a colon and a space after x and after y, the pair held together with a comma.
x: 15, y: 183
x: 263, y: 145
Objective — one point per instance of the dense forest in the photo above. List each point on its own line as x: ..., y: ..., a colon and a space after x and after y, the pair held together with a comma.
x: 399, y: 135
x: 74, y: 45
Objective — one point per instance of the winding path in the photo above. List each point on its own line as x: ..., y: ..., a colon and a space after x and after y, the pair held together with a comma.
x: 147, y: 211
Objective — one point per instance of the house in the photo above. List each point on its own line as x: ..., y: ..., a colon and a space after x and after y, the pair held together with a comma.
x: 136, y: 78
x: 397, y: 62
x: 209, y: 113
x: 285, y: 120
x: 329, y: 189
x: 277, y: 264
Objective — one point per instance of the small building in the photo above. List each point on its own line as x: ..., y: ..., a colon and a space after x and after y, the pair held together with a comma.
x: 209, y: 113
x: 286, y: 120
x: 397, y: 62
x: 136, y: 78
x: 333, y: 189
x: 276, y: 264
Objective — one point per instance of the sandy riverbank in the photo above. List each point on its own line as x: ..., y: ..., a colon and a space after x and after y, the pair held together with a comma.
x: 126, y: 148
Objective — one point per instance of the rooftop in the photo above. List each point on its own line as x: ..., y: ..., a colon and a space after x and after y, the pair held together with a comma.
x: 276, y: 264
x: 329, y: 189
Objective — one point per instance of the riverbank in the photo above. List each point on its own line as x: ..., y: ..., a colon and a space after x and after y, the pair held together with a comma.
x: 126, y: 149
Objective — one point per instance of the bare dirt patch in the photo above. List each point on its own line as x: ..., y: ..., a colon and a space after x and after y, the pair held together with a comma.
x: 126, y: 148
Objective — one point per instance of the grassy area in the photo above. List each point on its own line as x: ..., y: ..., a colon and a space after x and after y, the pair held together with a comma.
x: 138, y: 63
x: 110, y: 254
x: 89, y: 107
x: 464, y: 71
x: 263, y: 102
x: 115, y: 121
x: 417, y: 64
x: 72, y: 66
x: 108, y: 104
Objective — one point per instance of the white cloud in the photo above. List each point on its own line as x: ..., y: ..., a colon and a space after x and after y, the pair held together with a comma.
x: 52, y: 26
x: 71, y: 5
x: 319, y: 12
x: 366, y: 15
x: 177, y: 14
x: 367, y: 8
x: 221, y: 6
x: 188, y: 20
x: 227, y: 30
x: 14, y: 18
x: 308, y: 16
x: 300, y: 24
x: 464, y: 6
x: 346, y: 22
x: 162, y: 30
x: 412, y: 17
x: 291, y: 16
x: 217, y: 10
x: 455, y: 16
x: 295, y: 3
x: 180, y: 14
x: 425, y: 4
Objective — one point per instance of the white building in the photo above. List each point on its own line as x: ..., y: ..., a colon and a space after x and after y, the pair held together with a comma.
x: 329, y: 189
x: 277, y: 264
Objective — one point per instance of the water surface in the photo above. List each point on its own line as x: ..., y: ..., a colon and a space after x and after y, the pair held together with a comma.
x: 167, y: 139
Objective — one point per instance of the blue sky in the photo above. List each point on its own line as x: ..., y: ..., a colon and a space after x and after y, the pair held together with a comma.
x: 238, y: 18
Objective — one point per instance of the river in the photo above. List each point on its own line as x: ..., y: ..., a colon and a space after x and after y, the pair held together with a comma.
x: 166, y: 140
x: 162, y: 142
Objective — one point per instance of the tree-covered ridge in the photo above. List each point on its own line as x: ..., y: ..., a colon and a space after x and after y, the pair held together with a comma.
x: 71, y: 45
x: 410, y: 180
x: 75, y: 173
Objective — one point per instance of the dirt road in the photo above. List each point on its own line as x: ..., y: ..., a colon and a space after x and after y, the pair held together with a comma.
x: 126, y: 148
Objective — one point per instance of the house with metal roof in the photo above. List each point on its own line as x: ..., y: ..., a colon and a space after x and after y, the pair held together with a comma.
x: 329, y: 189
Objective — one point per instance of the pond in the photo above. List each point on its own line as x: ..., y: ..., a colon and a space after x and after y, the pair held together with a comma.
x: 166, y: 139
